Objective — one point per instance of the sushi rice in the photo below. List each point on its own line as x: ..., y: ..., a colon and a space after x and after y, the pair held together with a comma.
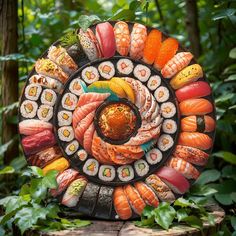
x: 165, y: 142
x: 69, y: 101
x: 106, y: 173
x: 142, y: 72
x: 91, y: 167
x: 32, y: 92
x: 90, y: 74
x: 48, y: 97
x: 77, y: 86
x: 125, y: 66
x: 28, y: 109
x: 169, y: 126
x: 125, y: 173
x: 82, y: 154
x: 72, y: 147
x: 106, y: 70
x: 64, y: 118
x: 154, y: 82
x: 154, y: 156
x: 66, y: 133
x: 141, y: 167
x: 45, y: 112
x: 162, y: 94
x: 168, y: 109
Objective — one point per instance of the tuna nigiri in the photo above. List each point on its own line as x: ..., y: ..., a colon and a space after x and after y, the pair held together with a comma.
x: 195, y: 139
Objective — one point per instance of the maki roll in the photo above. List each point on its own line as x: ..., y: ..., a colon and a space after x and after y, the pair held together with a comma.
x: 106, y: 173
x: 90, y: 74
x: 72, y: 147
x: 82, y: 154
x: 66, y: 133
x: 168, y: 109
x: 60, y: 165
x: 154, y: 156
x: 141, y: 167
x: 165, y: 142
x: 48, y: 97
x: 154, y: 82
x: 142, y: 72
x: 106, y: 70
x: 77, y: 86
x: 162, y: 94
x: 125, y: 173
x: 91, y: 167
x: 64, y: 118
x: 45, y: 112
x: 74, y: 191
x: 69, y: 101
x: 32, y: 92
x: 28, y: 109
x: 125, y: 66
x: 169, y: 126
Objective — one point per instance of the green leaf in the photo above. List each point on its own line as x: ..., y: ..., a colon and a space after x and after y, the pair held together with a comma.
x: 202, y: 190
x: 232, y: 53
x: 147, y: 211
x: 227, y: 156
x: 33, y: 171
x: 207, y: 177
x: 86, y: 21
x: 134, y: 5
x: 37, y: 189
x: 229, y: 172
x: 16, y: 57
x: 53, y: 210
x: 49, y: 180
x: 224, y: 199
x: 124, y: 14
x: 182, y: 202
x: 231, y: 78
x: 233, y: 222
x: 5, y: 146
x: 224, y: 13
x: 193, y: 221
x: 7, y: 170
x: 181, y: 214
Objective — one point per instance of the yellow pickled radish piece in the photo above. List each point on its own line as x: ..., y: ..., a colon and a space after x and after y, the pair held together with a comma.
x: 60, y: 165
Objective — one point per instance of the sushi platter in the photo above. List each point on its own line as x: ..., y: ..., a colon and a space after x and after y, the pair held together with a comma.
x: 125, y: 115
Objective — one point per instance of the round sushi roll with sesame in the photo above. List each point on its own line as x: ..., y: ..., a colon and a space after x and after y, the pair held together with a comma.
x: 154, y: 156
x: 69, y: 101
x: 32, y: 92
x: 77, y: 86
x: 66, y: 133
x: 91, y: 167
x: 72, y: 147
x: 142, y: 72
x: 45, y: 112
x: 90, y: 74
x: 168, y: 109
x: 154, y: 82
x: 125, y: 66
x: 106, y: 70
x: 169, y: 126
x: 162, y: 94
x: 82, y: 154
x: 48, y: 97
x: 106, y: 173
x: 165, y: 142
x: 141, y: 167
x: 28, y: 109
x: 64, y: 118
x: 125, y: 173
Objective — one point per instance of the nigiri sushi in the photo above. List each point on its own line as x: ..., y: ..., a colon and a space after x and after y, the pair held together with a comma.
x: 121, y: 204
x: 122, y: 36
x: 194, y: 90
x: 60, y: 165
x: 197, y: 106
x: 168, y: 49
x: 198, y: 123
x: 187, y: 75
x: 195, y: 139
x: 138, y: 38
x: 152, y: 46
x: 86, y: 98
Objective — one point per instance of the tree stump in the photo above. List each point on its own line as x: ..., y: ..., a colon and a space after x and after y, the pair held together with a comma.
x: 122, y: 228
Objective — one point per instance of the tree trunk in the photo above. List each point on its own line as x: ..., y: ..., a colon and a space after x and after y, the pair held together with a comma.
x: 192, y: 27
x: 8, y: 40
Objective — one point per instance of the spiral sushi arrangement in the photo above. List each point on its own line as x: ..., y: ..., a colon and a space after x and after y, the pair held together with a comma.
x: 125, y: 116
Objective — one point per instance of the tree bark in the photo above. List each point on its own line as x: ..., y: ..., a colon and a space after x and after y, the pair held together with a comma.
x: 192, y: 27
x: 8, y: 40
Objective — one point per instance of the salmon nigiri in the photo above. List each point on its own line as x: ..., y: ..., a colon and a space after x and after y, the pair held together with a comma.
x: 86, y: 98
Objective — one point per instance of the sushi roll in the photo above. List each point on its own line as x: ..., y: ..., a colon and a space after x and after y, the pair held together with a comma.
x: 142, y: 72
x: 64, y: 179
x: 32, y: 92
x: 154, y: 156
x: 162, y: 191
x: 60, y: 165
x: 165, y: 142
x: 33, y: 126
x: 125, y: 66
x: 91, y: 167
x: 44, y: 157
x: 64, y: 118
x: 169, y: 126
x: 48, y: 97
x: 48, y: 68
x: 69, y: 101
x: 37, y: 142
x: 77, y: 86
x: 154, y: 82
x: 65, y: 133
x: 168, y: 109
x: 60, y: 56
x: 125, y: 173
x: 106, y: 69
x: 28, y: 109
x: 90, y: 74
x: 106, y: 39
x: 82, y: 154
x: 162, y: 94
x: 74, y: 192
x: 46, y: 82
x: 45, y: 112
x: 106, y: 173
x: 141, y: 167
x: 72, y: 147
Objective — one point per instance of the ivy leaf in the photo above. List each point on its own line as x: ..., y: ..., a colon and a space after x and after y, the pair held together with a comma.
x: 182, y: 202
x: 49, y: 180
x: 7, y: 170
x: 85, y: 21
x: 207, y: 177
x: 193, y: 221
x: 181, y: 214
x: 33, y: 171
x: 53, y: 210
x: 147, y: 211
x: 37, y: 190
